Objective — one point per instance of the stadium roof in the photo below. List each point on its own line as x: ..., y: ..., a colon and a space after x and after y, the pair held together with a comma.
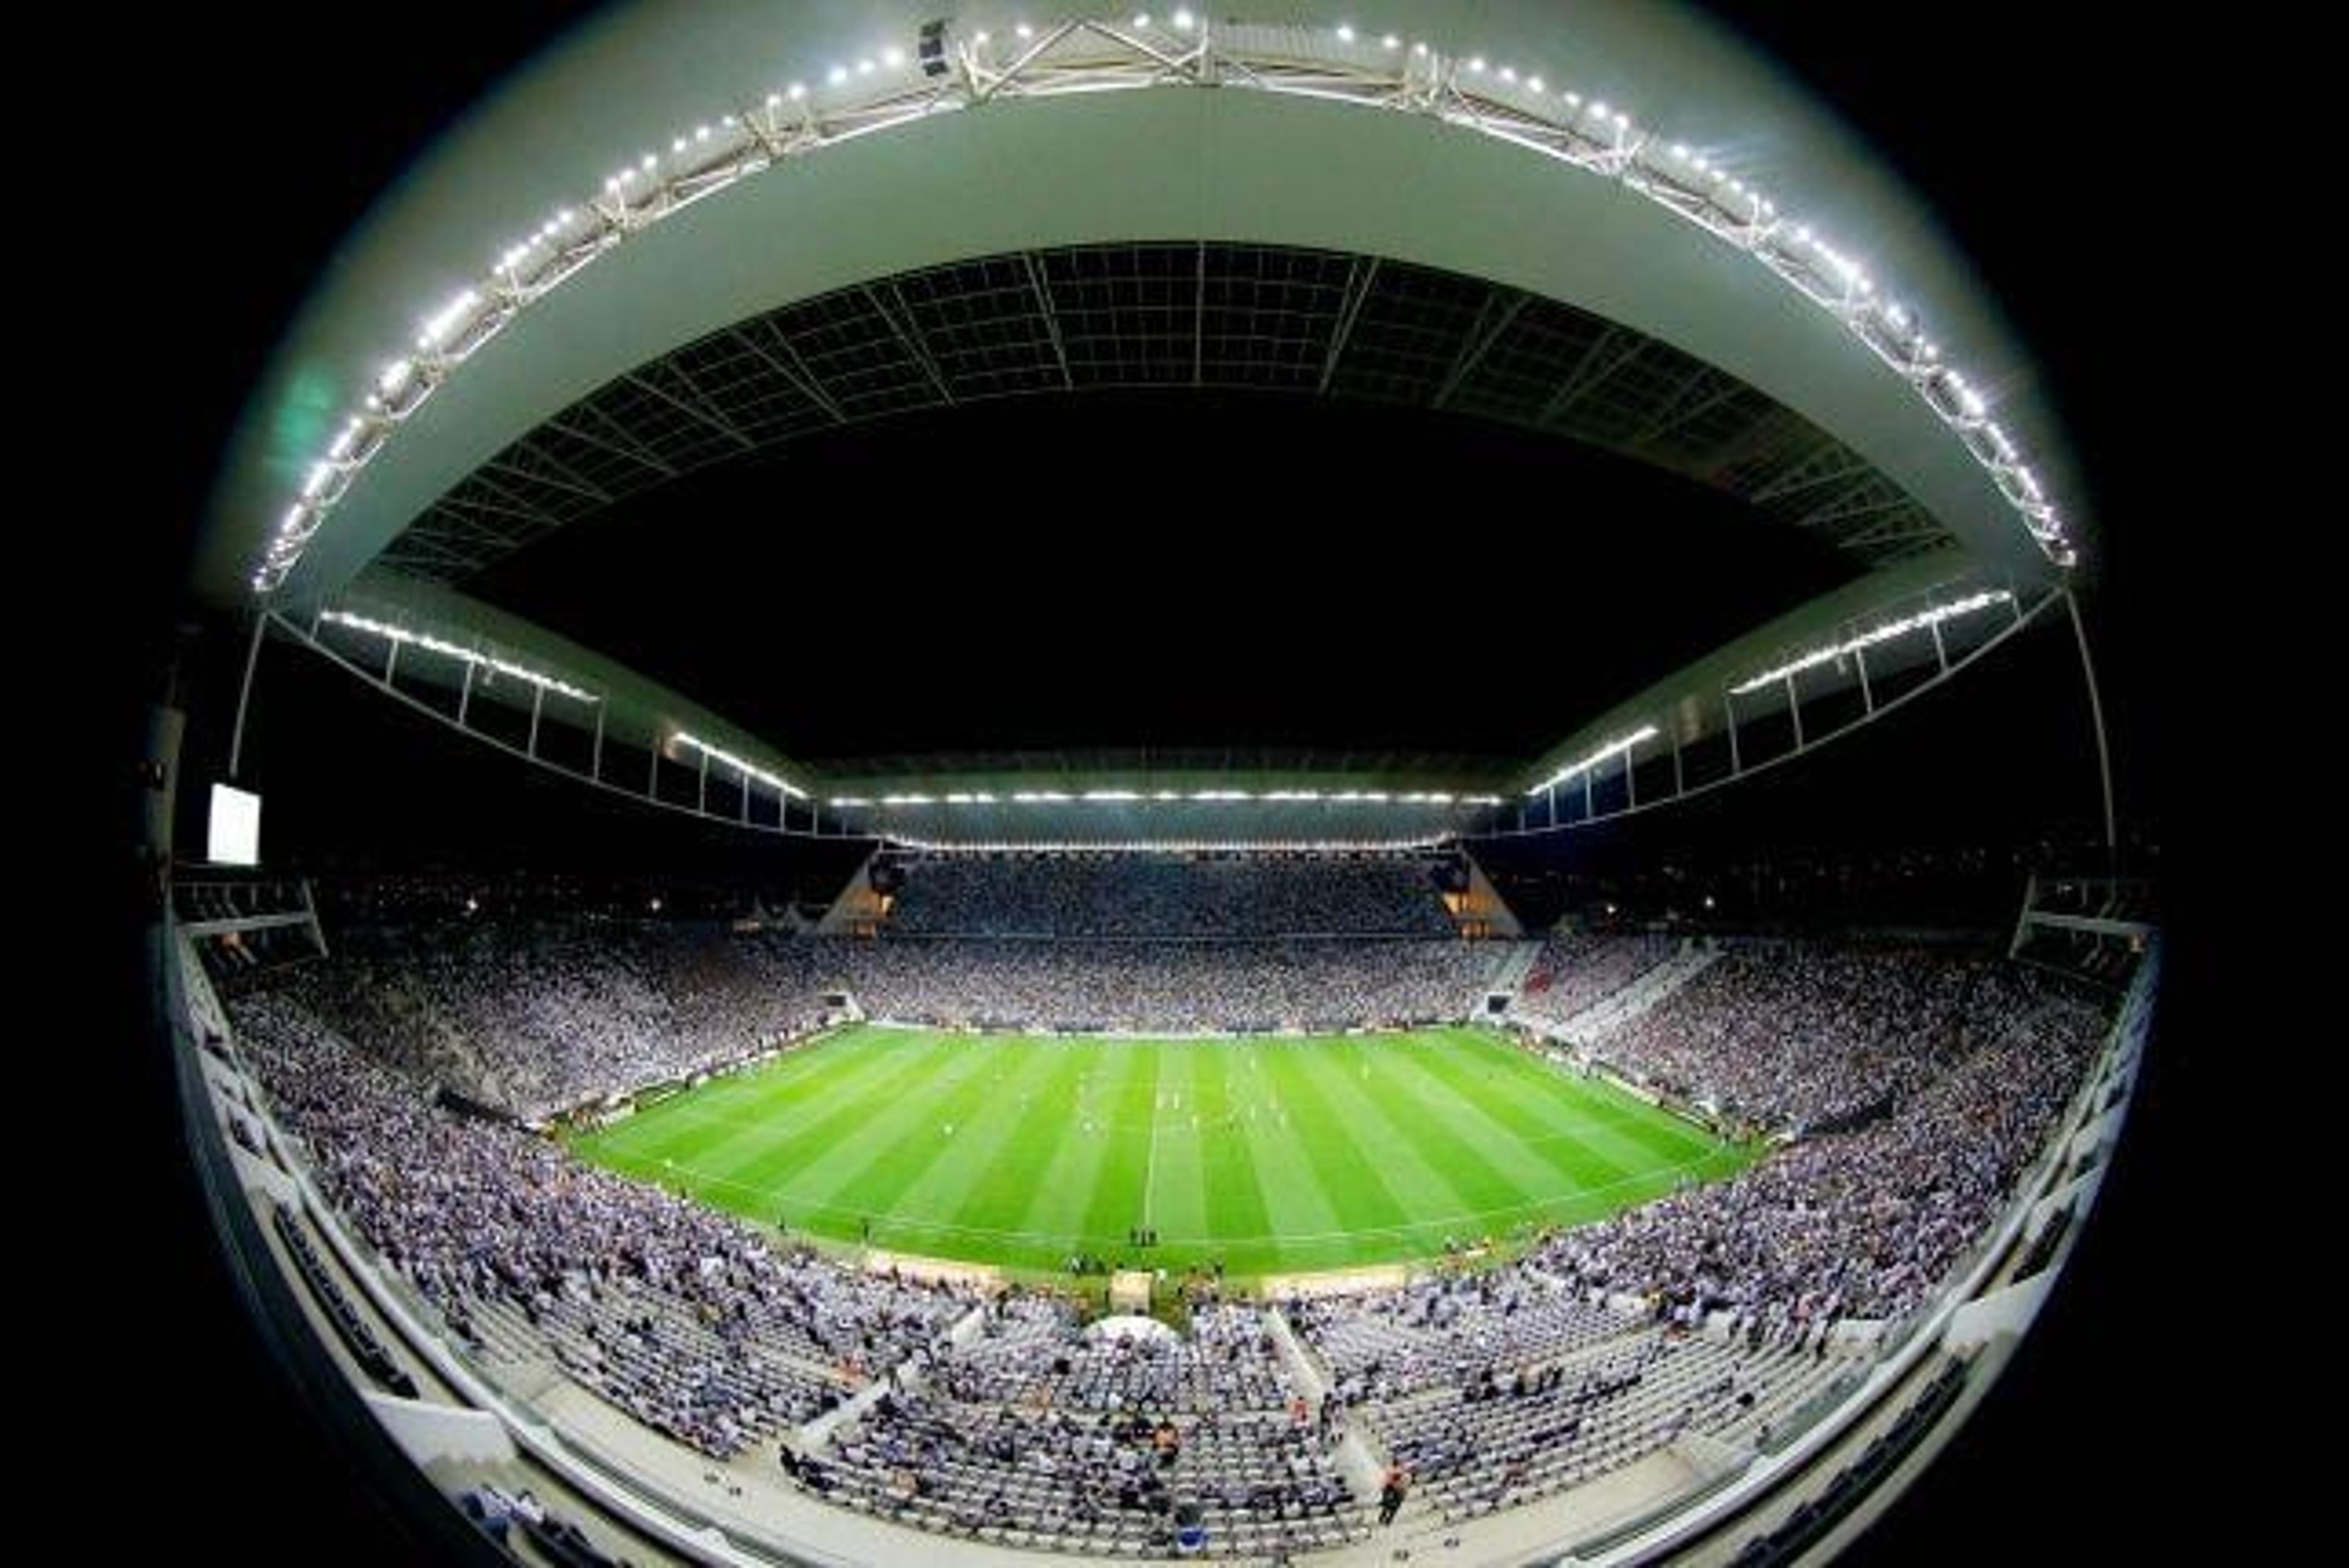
x: 685, y: 236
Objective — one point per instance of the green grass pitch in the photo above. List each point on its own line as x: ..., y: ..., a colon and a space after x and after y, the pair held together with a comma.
x: 1269, y: 1155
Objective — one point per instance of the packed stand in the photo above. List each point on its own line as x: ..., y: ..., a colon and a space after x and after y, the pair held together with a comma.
x: 1792, y: 1036
x: 1575, y: 972
x: 1862, y: 1223
x: 1177, y: 987
x: 680, y: 1315
x: 1927, y: 1084
x: 1131, y: 896
x: 534, y: 1017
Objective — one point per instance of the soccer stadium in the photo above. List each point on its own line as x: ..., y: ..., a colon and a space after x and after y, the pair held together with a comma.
x: 1004, y: 787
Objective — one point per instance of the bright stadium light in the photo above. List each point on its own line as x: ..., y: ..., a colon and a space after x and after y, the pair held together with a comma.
x: 1040, y: 796
x: 405, y: 636
x: 847, y: 801
x: 399, y: 388
x: 1186, y: 846
x: 717, y: 755
x: 445, y: 321
x: 1884, y: 633
x: 1110, y: 795
x: 1623, y: 744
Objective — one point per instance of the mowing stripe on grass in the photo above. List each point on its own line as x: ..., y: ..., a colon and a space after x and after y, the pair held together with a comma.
x: 1264, y: 1153
x: 1236, y: 1200
x: 1178, y: 1192
x: 1114, y: 1203
x: 884, y: 1154
x: 1074, y: 1144
x: 975, y: 1162
x: 1545, y: 1151
x: 1365, y: 1146
x: 1439, y: 1140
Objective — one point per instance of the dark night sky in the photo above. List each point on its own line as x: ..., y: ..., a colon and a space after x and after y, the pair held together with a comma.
x: 1967, y: 106
x: 1227, y: 571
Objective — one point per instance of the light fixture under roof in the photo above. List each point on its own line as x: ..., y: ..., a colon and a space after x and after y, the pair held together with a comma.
x: 408, y: 637
x: 1620, y: 744
x: 1885, y: 632
x: 517, y: 285
x: 748, y: 769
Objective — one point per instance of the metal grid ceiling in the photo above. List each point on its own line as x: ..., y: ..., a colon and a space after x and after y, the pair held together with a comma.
x: 1163, y: 315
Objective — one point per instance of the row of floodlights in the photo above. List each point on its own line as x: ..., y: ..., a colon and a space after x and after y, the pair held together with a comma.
x: 1198, y: 796
x: 447, y: 336
x: 747, y: 770
x: 401, y: 636
x: 1186, y: 847
x: 1613, y: 748
x: 1876, y: 634
x: 1884, y: 632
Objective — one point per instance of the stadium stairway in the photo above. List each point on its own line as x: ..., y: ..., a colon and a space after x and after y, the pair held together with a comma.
x: 1514, y: 962
x: 1360, y: 1461
x: 1605, y: 1017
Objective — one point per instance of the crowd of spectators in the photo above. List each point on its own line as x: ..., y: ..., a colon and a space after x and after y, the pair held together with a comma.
x: 683, y: 1317
x: 1168, y: 986
x: 1575, y: 972
x: 1130, y: 896
x: 1794, y: 1036
x: 1226, y: 1362
x: 537, y: 1017
x: 1912, y: 1087
x: 1862, y: 1223
x: 1103, y: 1441
x: 532, y: 1017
